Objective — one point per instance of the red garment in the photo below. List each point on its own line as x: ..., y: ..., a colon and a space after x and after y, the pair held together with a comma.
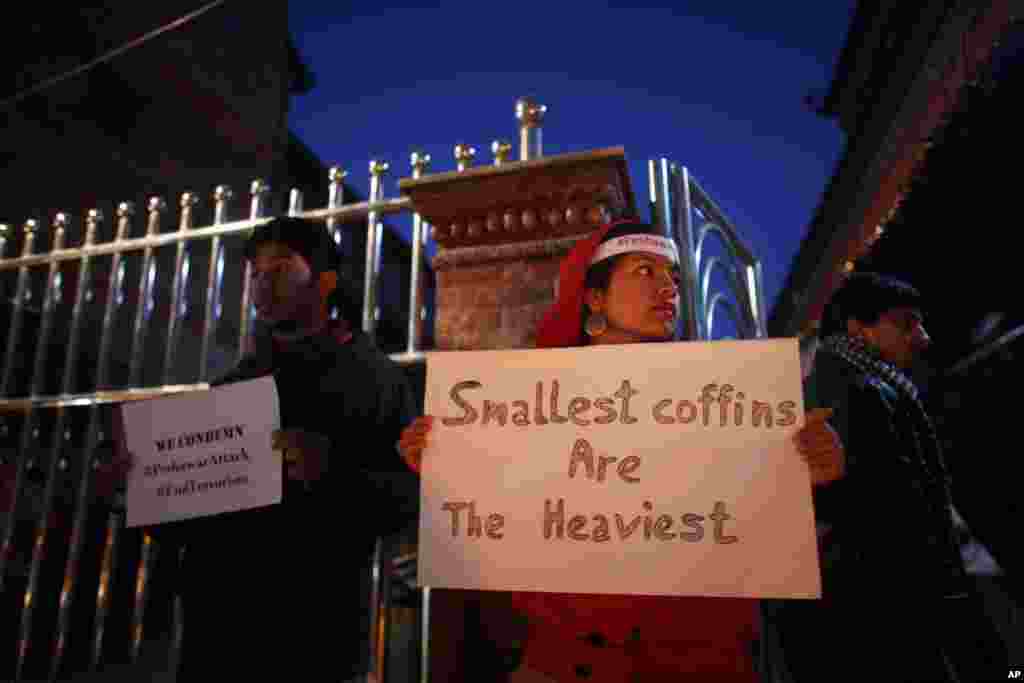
x: 560, y: 326
x: 639, y: 639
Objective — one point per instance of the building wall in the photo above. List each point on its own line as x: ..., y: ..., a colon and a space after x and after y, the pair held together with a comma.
x: 187, y: 107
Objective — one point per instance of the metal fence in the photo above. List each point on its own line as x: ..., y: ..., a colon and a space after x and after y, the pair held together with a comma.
x: 76, y: 584
x: 691, y: 216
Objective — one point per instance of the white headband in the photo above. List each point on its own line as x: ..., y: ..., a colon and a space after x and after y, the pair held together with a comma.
x: 652, y: 244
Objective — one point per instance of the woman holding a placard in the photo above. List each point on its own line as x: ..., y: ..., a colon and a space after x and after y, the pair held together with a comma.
x: 621, y: 286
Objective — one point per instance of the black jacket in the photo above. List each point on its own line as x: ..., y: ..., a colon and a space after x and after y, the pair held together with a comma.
x: 881, y: 530
x: 282, y: 590
x: 886, y: 559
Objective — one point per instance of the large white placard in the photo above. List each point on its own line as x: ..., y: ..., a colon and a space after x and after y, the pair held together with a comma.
x: 657, y: 469
x: 202, y: 453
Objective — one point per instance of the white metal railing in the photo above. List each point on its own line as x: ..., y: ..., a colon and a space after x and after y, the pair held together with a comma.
x: 679, y: 203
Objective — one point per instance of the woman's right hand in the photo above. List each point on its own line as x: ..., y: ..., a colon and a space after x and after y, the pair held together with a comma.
x: 414, y: 440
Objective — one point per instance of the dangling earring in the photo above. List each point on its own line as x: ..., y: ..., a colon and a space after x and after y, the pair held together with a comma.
x: 596, y: 324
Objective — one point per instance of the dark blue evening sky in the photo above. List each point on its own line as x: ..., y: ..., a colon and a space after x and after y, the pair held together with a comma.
x: 718, y: 87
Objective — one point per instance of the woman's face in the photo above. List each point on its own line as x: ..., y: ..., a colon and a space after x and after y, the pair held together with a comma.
x: 641, y: 302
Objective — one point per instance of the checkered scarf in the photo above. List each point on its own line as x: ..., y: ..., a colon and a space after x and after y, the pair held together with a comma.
x: 927, y: 451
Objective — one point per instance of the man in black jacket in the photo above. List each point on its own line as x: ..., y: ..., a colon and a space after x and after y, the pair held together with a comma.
x: 896, y: 598
x: 279, y: 592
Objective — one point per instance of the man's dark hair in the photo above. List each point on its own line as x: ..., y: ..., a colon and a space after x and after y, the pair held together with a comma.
x: 309, y: 239
x: 865, y: 297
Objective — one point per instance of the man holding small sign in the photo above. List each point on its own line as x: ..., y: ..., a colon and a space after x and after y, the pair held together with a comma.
x: 601, y: 484
x: 278, y: 591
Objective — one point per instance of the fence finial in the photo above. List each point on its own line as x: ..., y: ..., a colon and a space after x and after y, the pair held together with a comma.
x: 501, y: 149
x: 31, y: 227
x: 335, y: 190
x: 60, y: 226
x: 419, y: 161
x: 222, y: 194
x: 259, y: 191
x: 188, y: 200
x: 464, y: 155
x: 337, y: 174
x: 92, y: 221
x: 530, y: 115
x: 157, y: 206
x: 125, y: 212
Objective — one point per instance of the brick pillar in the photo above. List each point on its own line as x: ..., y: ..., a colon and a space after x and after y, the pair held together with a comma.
x: 502, y: 232
x: 493, y: 299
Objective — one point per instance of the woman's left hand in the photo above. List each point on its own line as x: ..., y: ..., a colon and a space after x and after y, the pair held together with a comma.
x: 821, y: 447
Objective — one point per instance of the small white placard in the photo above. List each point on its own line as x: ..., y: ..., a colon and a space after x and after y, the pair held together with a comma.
x: 202, y: 453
